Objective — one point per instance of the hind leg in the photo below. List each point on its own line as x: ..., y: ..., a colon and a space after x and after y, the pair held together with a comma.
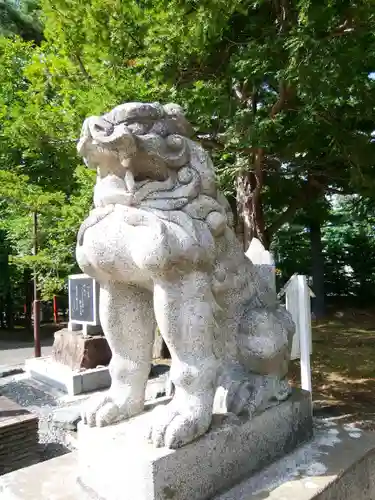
x: 127, y: 318
x: 185, y: 317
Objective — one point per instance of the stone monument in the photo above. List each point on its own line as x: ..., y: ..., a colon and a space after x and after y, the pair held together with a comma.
x: 84, y: 304
x: 82, y: 345
x: 80, y: 353
x: 160, y: 243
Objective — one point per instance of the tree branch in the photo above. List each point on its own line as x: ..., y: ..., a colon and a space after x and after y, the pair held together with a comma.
x: 343, y: 192
x: 314, y: 187
x: 254, y: 100
x: 348, y: 26
x: 211, y: 142
x: 285, y: 217
x: 82, y: 67
x: 241, y: 92
x: 285, y: 94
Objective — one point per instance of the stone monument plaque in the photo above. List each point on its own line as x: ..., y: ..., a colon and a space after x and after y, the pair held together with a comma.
x: 82, y: 345
x: 83, y: 300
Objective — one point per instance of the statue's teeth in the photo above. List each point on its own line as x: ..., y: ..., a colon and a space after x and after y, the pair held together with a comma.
x: 129, y: 181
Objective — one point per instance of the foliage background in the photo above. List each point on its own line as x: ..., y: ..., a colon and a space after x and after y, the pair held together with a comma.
x: 281, y: 92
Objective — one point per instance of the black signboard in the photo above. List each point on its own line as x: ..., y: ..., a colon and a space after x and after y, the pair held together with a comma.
x: 82, y: 299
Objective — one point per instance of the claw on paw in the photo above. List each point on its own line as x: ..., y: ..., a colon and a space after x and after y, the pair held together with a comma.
x: 108, y: 409
x: 174, y: 428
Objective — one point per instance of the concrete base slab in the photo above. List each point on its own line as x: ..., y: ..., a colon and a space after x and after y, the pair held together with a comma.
x: 62, y: 377
x: 75, y: 382
x: 54, y: 479
x: 117, y: 463
x: 337, y: 464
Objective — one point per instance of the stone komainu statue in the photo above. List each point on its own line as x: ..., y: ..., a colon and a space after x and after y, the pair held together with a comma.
x: 161, y: 244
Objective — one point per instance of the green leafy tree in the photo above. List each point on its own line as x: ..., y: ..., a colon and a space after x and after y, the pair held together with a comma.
x: 21, y: 18
x: 348, y: 248
x: 279, y: 91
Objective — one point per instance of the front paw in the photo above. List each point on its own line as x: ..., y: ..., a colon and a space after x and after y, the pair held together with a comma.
x: 108, y: 409
x: 174, y: 427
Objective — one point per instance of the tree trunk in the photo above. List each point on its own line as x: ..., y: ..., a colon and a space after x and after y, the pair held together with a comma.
x: 28, y: 298
x: 2, y: 315
x: 9, y: 311
x: 251, y: 222
x: 317, y: 267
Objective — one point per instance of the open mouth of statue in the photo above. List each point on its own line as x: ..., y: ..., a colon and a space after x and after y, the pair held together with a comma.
x: 134, y: 167
x: 131, y: 180
x: 131, y: 171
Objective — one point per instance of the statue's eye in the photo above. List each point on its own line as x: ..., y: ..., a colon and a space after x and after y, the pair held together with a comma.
x: 138, y: 128
x: 103, y: 126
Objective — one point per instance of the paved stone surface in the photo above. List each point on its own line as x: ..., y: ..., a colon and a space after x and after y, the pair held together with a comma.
x: 14, y: 354
x: 55, y: 479
x: 41, y: 400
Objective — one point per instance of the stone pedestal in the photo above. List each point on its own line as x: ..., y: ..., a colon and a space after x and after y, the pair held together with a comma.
x: 78, y: 351
x: 117, y: 463
x: 65, y: 379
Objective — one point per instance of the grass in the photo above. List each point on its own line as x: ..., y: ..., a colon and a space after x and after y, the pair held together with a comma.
x: 343, y: 366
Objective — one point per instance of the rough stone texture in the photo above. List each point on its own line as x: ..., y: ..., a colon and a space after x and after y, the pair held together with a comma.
x: 338, y: 464
x: 157, y: 386
x: 77, y: 351
x: 18, y: 436
x: 67, y: 418
x: 233, y: 448
x: 160, y: 243
x: 263, y: 260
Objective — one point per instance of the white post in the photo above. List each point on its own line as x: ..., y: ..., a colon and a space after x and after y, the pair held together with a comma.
x: 305, y: 331
x: 291, y: 304
x: 297, y: 295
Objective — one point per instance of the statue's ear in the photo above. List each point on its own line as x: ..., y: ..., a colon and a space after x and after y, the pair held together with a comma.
x: 175, y: 113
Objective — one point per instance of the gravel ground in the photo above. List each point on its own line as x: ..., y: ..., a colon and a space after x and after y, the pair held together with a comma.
x: 41, y: 400
x: 44, y: 400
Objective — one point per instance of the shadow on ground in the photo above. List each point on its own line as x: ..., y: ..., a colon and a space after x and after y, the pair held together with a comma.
x: 47, y: 451
x: 21, y: 334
